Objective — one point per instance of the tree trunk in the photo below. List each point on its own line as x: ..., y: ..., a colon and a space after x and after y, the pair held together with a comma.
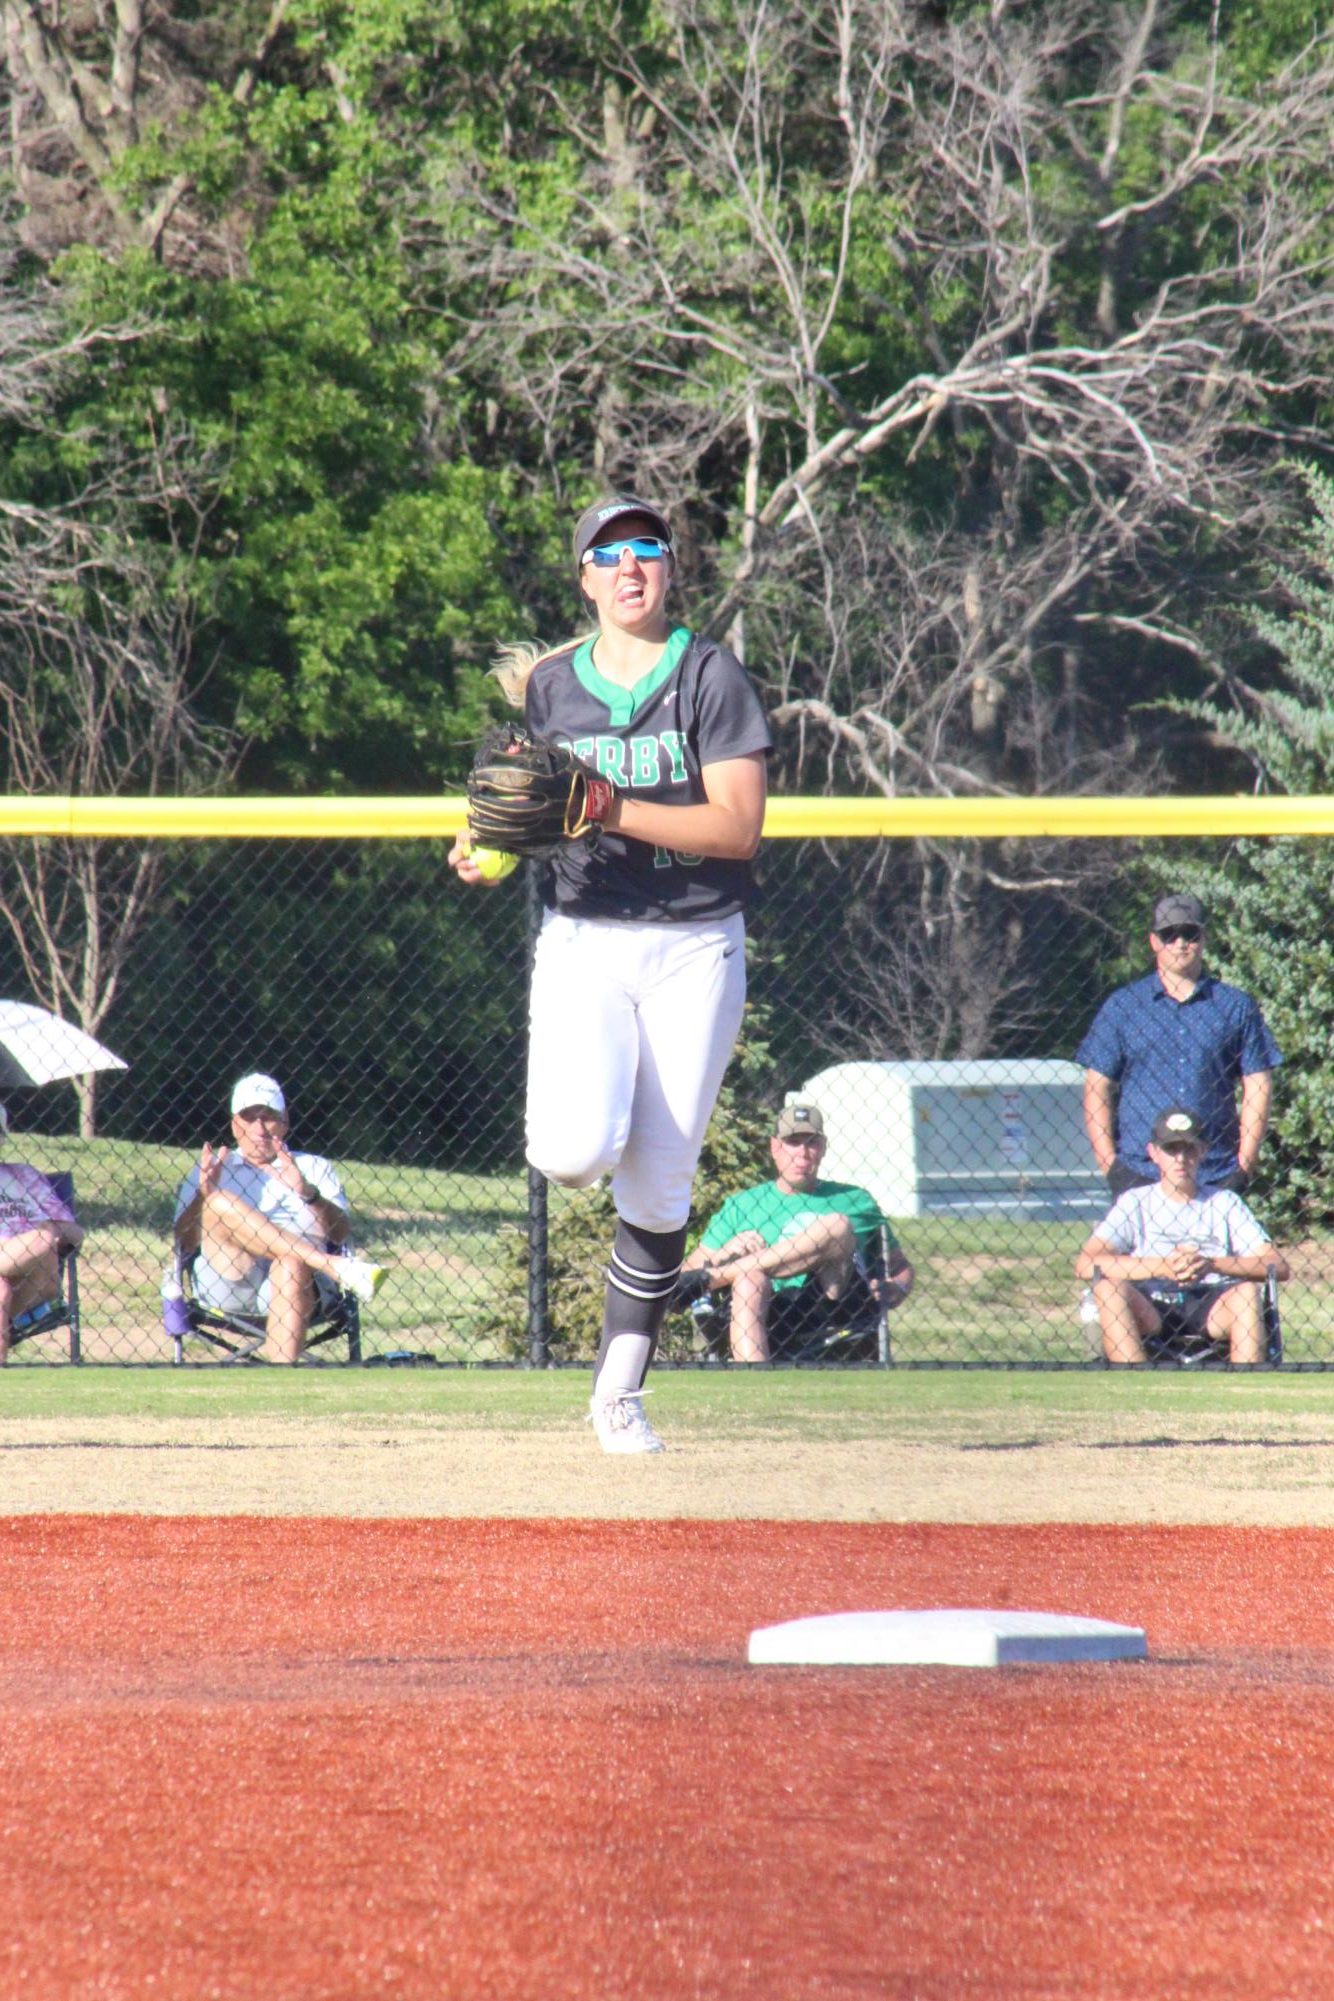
x: 85, y: 1091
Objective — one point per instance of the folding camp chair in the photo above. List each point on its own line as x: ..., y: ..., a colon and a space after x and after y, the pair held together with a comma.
x: 859, y: 1336
x: 237, y: 1337
x: 863, y: 1336
x: 1178, y: 1345
x: 63, y: 1310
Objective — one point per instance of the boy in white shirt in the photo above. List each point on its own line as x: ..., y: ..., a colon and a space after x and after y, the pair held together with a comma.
x: 1164, y: 1250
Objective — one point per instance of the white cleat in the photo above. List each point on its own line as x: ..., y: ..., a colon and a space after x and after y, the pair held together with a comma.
x: 356, y: 1275
x: 621, y: 1425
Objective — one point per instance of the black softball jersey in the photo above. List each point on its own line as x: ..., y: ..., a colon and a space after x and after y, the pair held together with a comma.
x: 695, y: 707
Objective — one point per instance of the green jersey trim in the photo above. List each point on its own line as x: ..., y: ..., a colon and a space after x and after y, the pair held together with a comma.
x: 624, y: 704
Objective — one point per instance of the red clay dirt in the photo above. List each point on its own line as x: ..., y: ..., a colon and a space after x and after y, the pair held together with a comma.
x: 295, y: 1758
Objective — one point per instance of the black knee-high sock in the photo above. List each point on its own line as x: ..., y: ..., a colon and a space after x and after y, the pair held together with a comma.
x: 644, y: 1267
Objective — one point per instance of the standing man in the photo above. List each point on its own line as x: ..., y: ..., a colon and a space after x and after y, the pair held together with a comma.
x: 1177, y: 1036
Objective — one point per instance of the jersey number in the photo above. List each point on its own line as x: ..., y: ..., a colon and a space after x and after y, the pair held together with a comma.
x: 664, y: 857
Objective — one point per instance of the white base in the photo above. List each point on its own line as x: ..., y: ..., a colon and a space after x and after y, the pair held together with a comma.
x: 947, y: 1639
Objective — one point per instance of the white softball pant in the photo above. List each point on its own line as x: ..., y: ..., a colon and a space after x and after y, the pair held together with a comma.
x: 631, y: 1026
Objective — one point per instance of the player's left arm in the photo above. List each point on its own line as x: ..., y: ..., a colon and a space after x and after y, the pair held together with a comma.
x: 315, y: 1182
x: 727, y: 822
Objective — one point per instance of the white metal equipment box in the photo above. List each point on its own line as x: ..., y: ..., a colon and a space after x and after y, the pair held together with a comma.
x: 995, y: 1136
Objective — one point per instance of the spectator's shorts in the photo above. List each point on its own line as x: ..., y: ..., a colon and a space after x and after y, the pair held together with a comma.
x: 1184, y: 1308
x: 799, y: 1313
x: 249, y: 1295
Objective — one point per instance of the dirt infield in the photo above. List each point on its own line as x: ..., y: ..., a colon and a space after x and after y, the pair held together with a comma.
x: 1267, y: 1469
x: 508, y: 1758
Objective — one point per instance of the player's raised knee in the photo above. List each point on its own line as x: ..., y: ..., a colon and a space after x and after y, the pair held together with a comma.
x: 568, y: 1167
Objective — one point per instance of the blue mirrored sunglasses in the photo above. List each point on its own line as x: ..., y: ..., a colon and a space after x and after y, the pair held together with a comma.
x: 645, y: 548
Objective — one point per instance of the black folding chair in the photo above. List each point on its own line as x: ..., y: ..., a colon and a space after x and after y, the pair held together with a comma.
x: 1179, y: 1345
x: 63, y: 1310
x: 237, y: 1337
x: 857, y: 1328
x: 858, y: 1335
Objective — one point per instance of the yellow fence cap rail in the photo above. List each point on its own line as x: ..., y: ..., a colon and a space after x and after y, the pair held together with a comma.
x: 787, y: 819
x: 998, y: 819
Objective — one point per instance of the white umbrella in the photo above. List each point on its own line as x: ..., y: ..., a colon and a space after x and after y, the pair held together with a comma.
x: 40, y: 1048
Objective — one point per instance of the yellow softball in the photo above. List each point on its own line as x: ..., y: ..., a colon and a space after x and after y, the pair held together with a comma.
x: 493, y: 864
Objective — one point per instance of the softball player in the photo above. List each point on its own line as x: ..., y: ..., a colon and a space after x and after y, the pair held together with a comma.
x: 639, y: 977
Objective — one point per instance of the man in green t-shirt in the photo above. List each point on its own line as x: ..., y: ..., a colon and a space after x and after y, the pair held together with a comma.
x: 801, y: 1256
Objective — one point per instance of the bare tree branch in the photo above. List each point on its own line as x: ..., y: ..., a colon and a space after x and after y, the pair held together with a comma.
x: 83, y: 88
x: 100, y: 676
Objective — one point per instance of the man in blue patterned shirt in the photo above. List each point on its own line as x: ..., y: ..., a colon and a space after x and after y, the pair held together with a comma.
x: 1178, y: 1037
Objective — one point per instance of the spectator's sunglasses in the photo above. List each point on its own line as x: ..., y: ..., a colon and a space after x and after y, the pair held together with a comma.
x: 1186, y: 934
x: 644, y: 548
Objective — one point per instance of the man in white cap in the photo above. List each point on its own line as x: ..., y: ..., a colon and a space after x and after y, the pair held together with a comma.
x: 262, y: 1219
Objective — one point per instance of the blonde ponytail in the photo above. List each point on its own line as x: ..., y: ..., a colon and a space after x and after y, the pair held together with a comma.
x: 515, y: 662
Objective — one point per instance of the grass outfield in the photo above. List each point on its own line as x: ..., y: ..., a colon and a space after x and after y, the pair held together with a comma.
x: 938, y: 1447
x: 967, y: 1408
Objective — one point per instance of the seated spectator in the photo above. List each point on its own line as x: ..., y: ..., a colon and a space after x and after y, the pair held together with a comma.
x: 800, y: 1256
x: 34, y: 1227
x: 267, y: 1223
x: 1167, y: 1250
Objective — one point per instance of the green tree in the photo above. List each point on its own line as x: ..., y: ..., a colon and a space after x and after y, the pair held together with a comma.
x: 1270, y: 900
x: 955, y: 344
x: 104, y: 652
x: 955, y: 336
x: 249, y: 172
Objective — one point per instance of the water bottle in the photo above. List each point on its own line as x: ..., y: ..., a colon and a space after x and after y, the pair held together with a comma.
x: 704, y: 1313
x: 175, y: 1312
x: 1089, y: 1321
x: 26, y: 1323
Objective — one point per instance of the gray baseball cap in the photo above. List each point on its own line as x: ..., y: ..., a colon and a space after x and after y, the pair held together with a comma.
x: 794, y: 1119
x: 1171, y: 910
x: 596, y: 521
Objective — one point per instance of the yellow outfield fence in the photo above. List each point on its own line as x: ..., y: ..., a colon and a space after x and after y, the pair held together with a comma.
x: 922, y: 969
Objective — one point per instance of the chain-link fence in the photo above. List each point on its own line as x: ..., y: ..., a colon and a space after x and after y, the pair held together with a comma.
x: 929, y: 997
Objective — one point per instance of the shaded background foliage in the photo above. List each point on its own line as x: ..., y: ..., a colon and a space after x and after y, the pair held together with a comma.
x: 1272, y: 899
